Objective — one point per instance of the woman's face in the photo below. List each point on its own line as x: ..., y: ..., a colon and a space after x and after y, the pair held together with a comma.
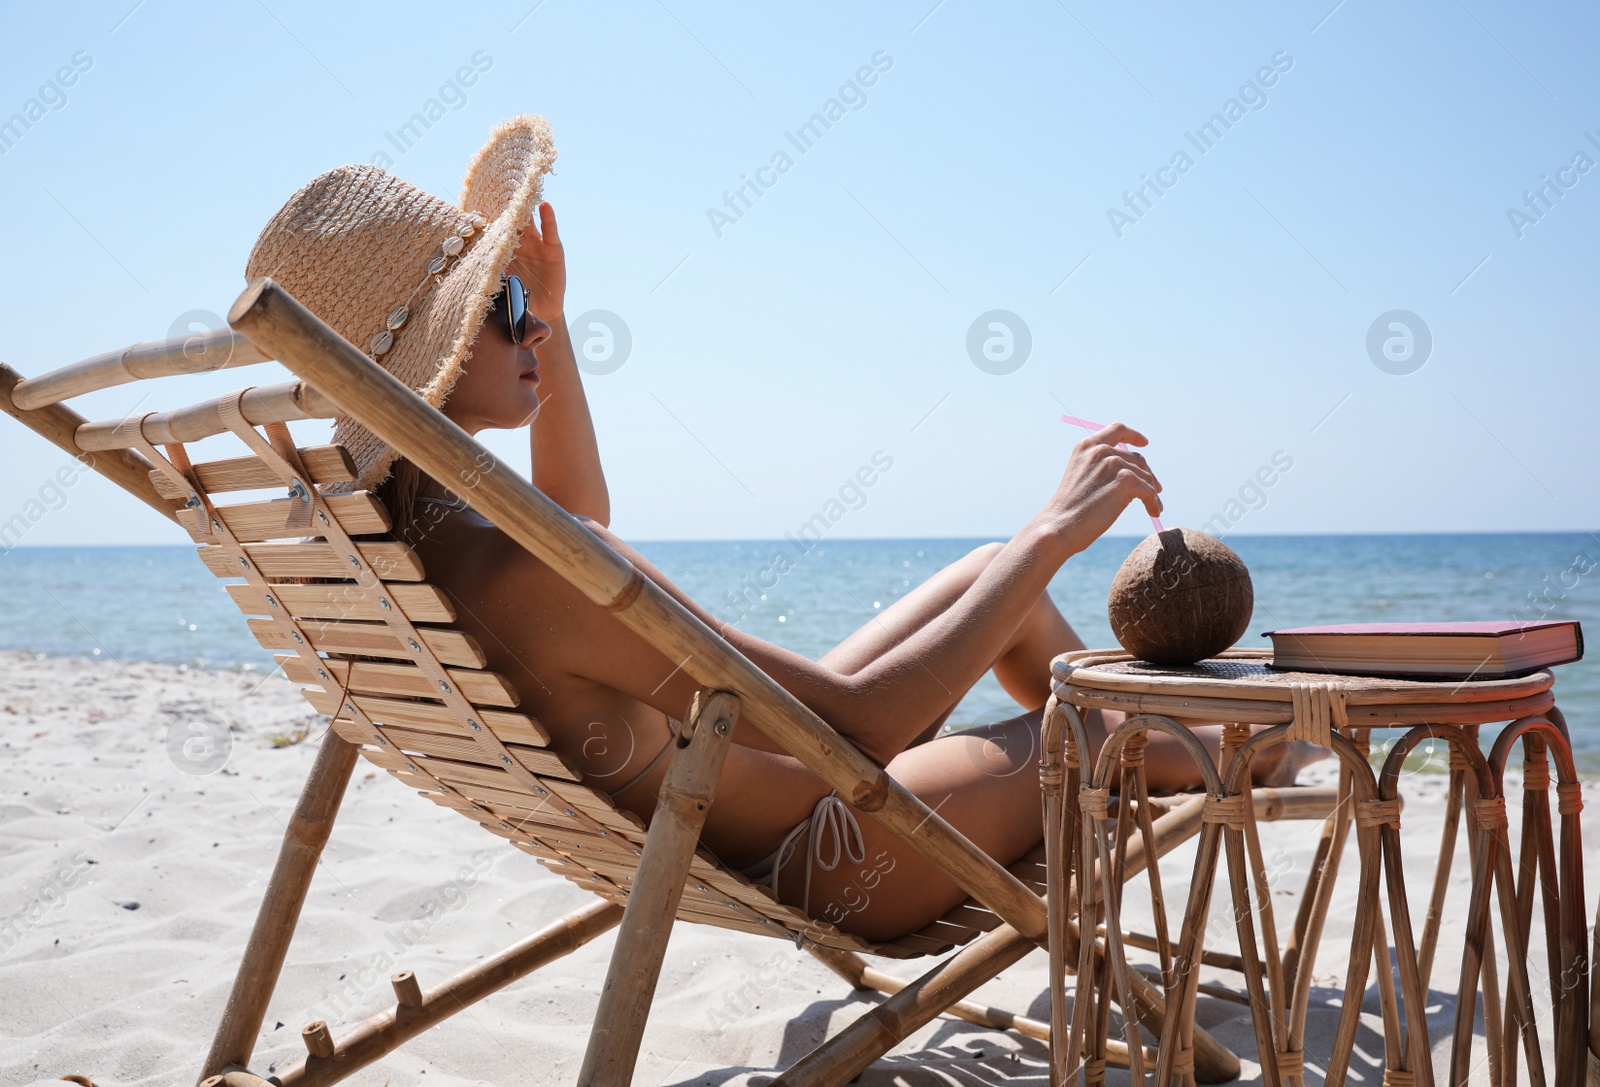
x: 499, y: 384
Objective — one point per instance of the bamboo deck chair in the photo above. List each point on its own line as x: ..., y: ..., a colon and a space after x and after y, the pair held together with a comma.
x: 372, y: 642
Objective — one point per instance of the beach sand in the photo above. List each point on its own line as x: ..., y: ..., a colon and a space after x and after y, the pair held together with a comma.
x: 131, y: 883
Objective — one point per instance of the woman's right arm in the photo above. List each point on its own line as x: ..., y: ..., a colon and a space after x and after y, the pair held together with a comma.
x: 882, y: 705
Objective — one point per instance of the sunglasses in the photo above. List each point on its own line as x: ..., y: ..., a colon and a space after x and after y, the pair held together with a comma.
x: 513, y: 299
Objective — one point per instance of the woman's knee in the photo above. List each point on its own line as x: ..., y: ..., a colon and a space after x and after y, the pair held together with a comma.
x: 982, y: 555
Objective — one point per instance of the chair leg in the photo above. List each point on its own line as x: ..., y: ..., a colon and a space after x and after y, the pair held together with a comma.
x: 302, y: 845
x: 387, y: 1030
x: 653, y: 900
x: 863, y: 975
x: 845, y: 1056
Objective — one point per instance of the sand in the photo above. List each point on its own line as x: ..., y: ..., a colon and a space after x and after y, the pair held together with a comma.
x: 131, y: 880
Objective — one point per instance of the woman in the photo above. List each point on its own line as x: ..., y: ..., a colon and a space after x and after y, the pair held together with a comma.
x: 486, y: 341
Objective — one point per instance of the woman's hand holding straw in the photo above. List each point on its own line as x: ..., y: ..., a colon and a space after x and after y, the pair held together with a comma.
x: 1075, y: 421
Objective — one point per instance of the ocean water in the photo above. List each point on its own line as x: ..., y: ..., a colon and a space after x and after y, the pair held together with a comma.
x: 54, y: 600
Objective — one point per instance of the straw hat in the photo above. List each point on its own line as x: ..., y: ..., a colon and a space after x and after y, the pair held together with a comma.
x: 402, y: 274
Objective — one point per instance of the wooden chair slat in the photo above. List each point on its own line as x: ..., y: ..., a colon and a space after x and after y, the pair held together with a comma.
x: 509, y: 800
x: 610, y: 857
x: 324, y: 464
x: 968, y: 917
x: 843, y: 941
x: 723, y: 882
x: 729, y: 921
x: 575, y: 874
x: 216, y: 349
x: 470, y: 775
x: 517, y: 807
x: 360, y: 514
x: 916, y: 944
x: 390, y: 561
x: 435, y: 717
x: 475, y: 782
x: 372, y: 677
x: 950, y: 932
x: 261, y: 404
x: 587, y: 800
x: 537, y: 759
x: 561, y: 831
x: 372, y: 639
x: 421, y: 603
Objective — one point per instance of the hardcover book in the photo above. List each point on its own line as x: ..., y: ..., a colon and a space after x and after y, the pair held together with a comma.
x: 1484, y: 650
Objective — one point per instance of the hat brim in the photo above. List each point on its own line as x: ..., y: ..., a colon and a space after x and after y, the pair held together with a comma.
x: 504, y: 183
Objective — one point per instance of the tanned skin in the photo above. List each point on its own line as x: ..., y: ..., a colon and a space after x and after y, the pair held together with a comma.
x: 605, y: 694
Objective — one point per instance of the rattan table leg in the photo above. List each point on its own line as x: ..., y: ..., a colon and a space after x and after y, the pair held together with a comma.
x: 1455, y: 795
x: 1057, y: 748
x: 1560, y: 885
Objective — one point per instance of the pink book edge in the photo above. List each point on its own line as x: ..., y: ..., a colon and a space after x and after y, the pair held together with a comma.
x: 1489, y: 628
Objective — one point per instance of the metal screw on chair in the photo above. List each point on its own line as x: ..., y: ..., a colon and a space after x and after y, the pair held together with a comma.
x: 216, y: 524
x: 475, y: 727
x: 722, y: 726
x: 323, y: 517
x: 506, y: 759
x: 539, y: 792
x: 271, y: 603
x: 244, y: 562
x: 322, y: 673
x: 443, y: 686
x: 354, y: 561
x: 383, y: 602
x: 411, y: 766
x: 505, y: 826
x: 570, y: 812
x: 297, y: 490
x: 295, y: 634
x: 415, y: 648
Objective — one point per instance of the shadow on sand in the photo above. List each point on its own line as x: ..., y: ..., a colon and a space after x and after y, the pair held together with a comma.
x: 961, y: 1054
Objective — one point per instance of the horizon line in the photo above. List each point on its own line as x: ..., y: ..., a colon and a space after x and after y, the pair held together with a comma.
x: 23, y: 546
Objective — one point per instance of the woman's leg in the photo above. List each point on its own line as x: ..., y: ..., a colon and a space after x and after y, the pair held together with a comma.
x: 985, y: 783
x: 1023, y: 667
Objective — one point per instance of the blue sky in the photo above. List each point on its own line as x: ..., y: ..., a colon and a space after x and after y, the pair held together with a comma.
x: 774, y: 356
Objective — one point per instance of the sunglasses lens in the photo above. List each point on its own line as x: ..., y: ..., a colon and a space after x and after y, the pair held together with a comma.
x: 516, y: 298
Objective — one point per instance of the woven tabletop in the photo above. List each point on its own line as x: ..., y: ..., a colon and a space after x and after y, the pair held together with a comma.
x: 1248, y: 673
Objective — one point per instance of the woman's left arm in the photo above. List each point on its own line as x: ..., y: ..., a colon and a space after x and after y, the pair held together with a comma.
x: 566, y: 456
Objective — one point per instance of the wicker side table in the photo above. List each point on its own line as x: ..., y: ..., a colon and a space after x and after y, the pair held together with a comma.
x: 1086, y: 845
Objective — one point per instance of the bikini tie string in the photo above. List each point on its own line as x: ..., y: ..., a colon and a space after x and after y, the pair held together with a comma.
x: 835, y: 837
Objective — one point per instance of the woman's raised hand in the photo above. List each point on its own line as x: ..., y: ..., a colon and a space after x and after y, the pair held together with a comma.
x: 541, y: 264
x: 1098, y: 484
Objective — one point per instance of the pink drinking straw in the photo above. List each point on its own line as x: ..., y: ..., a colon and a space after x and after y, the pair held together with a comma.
x: 1085, y: 424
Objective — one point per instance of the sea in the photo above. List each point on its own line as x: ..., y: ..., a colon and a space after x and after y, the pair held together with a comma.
x: 168, y: 607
